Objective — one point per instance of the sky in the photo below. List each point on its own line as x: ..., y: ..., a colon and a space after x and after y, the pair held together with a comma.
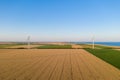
x: 60, y: 20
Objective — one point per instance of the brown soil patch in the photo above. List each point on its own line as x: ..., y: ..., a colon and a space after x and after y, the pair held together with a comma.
x: 57, y: 64
x: 76, y: 46
x: 117, y: 49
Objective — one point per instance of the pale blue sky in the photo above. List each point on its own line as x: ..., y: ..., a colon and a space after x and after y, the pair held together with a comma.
x: 59, y: 20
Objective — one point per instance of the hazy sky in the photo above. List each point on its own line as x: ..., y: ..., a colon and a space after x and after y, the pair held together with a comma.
x: 59, y: 20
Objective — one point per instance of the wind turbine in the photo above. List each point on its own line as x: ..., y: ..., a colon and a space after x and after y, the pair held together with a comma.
x: 28, y: 42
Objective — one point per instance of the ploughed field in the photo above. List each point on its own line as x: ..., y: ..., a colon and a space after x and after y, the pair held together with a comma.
x: 54, y: 64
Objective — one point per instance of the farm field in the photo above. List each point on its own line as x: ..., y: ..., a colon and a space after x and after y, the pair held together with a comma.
x: 54, y: 64
x: 55, y: 47
x: 74, y: 46
x: 3, y: 46
x: 18, y: 46
x: 109, y: 55
x: 36, y: 46
x: 23, y: 46
x: 97, y: 46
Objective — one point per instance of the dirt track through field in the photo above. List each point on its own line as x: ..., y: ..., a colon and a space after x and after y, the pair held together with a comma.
x: 54, y: 64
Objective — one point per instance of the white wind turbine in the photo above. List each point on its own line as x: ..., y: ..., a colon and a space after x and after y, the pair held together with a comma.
x: 28, y: 42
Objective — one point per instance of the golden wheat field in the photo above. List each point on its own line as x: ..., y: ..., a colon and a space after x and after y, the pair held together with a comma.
x: 54, y: 64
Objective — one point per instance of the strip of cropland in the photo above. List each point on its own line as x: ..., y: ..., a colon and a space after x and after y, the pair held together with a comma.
x: 97, y: 46
x: 109, y: 55
x: 54, y: 47
x: 54, y: 64
x: 17, y: 46
x: 3, y: 46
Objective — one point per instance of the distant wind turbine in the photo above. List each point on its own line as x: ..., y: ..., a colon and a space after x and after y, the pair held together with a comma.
x: 28, y: 42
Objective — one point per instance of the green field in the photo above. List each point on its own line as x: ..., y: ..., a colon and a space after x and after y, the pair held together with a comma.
x: 55, y: 47
x: 45, y: 46
x: 109, y: 55
x: 3, y: 46
x: 97, y: 46
x: 103, y: 47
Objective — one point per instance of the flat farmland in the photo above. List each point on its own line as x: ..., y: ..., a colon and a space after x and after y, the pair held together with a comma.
x: 54, y: 64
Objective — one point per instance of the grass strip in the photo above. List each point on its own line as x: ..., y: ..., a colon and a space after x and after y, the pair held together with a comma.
x: 55, y: 47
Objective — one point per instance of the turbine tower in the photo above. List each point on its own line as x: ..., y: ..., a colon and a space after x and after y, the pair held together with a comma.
x: 28, y: 42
